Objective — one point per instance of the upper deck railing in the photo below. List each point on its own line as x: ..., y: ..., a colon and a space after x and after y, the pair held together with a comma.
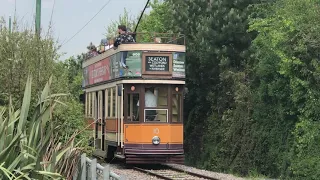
x: 141, y: 38
x: 163, y: 38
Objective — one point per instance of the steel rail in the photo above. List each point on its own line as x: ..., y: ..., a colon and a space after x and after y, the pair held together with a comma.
x: 192, y: 173
x: 152, y: 173
x: 173, y: 169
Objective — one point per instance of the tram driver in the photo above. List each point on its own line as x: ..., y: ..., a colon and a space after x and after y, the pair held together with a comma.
x: 150, y: 100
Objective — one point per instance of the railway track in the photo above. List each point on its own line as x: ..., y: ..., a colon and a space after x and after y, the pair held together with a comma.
x: 170, y: 173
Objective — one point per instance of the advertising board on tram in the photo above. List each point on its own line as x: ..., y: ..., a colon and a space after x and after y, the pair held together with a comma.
x: 135, y: 64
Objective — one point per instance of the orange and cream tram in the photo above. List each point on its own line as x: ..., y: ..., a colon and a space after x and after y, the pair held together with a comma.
x: 134, y: 100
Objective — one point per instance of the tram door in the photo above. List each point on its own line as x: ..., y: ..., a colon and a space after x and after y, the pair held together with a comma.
x: 103, y: 119
x: 100, y: 122
x: 95, y: 118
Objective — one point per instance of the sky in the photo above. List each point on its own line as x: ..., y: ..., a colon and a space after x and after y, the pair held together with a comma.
x: 69, y: 16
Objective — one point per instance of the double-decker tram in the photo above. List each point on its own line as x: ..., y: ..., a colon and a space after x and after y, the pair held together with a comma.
x: 134, y: 100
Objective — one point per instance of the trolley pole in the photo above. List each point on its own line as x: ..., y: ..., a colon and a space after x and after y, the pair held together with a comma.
x: 38, y: 17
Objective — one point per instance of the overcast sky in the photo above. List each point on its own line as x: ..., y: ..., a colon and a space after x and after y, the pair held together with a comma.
x: 69, y: 16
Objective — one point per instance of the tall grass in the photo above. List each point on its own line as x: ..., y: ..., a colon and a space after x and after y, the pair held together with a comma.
x: 29, y: 146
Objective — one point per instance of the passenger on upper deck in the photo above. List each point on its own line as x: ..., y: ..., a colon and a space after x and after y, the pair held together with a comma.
x: 123, y: 37
x: 92, y: 51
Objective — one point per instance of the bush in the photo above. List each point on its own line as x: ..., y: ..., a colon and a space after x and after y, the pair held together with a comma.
x: 31, y: 148
x: 305, y: 155
x: 70, y: 118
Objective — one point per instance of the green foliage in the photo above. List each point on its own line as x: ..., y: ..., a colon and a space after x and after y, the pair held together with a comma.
x: 219, y: 98
x: 73, y: 68
x: 70, y: 118
x: 248, y: 92
x: 125, y: 19
x: 157, y: 21
x: 21, y: 53
x: 253, y: 80
x: 287, y: 36
x: 30, y: 149
x: 305, y: 163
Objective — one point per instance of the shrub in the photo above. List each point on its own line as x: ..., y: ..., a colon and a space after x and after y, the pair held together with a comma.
x: 31, y: 148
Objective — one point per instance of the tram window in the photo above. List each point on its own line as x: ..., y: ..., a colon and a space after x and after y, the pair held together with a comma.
x: 103, y: 115
x: 133, y: 108
x: 86, y: 105
x: 176, y: 107
x: 109, y: 103
x: 156, y: 115
x: 106, y: 102
x: 156, y: 97
x: 99, y: 103
x: 162, y: 94
x: 114, y: 95
x: 156, y: 104
x: 91, y: 104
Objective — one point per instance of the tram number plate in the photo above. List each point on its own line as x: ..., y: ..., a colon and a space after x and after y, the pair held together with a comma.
x: 157, y: 63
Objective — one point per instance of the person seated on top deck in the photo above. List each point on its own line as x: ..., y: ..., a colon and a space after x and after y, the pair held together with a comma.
x: 92, y: 51
x: 150, y: 101
x: 123, y: 37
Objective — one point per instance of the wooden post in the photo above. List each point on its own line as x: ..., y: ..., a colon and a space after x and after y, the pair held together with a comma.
x: 83, y: 167
x: 106, y: 172
x: 94, y: 169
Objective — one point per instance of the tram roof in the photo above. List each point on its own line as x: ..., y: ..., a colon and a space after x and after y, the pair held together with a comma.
x: 161, y: 59
x: 135, y: 47
x: 159, y: 42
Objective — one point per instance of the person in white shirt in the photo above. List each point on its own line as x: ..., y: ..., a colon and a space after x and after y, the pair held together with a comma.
x: 150, y: 101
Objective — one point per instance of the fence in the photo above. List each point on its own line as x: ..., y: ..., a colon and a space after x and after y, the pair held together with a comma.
x: 91, y: 170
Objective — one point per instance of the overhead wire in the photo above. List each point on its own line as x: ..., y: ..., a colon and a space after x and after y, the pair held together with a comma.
x: 51, y: 16
x: 86, y: 24
x: 50, y: 23
x: 33, y: 17
x: 15, y: 9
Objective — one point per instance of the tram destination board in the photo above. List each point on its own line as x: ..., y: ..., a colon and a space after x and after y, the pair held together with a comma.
x: 157, y: 63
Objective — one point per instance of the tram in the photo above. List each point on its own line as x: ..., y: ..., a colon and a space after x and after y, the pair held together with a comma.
x: 134, y: 100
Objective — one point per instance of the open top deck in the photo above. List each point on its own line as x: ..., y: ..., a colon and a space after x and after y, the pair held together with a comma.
x: 162, y: 58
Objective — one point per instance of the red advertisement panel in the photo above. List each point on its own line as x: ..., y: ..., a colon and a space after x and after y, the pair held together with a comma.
x: 100, y: 71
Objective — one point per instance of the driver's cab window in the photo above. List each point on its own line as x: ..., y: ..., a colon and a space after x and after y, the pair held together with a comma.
x: 156, y: 104
x: 133, y: 108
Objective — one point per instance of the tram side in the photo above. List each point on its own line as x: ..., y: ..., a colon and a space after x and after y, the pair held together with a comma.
x: 135, y: 106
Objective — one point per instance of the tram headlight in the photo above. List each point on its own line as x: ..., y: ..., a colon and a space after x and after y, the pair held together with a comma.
x: 155, y: 140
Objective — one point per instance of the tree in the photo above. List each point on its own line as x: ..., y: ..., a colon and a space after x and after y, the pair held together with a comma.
x: 22, y: 53
x: 253, y: 80
x: 290, y: 33
x: 124, y: 19
x: 157, y: 21
x: 217, y: 44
